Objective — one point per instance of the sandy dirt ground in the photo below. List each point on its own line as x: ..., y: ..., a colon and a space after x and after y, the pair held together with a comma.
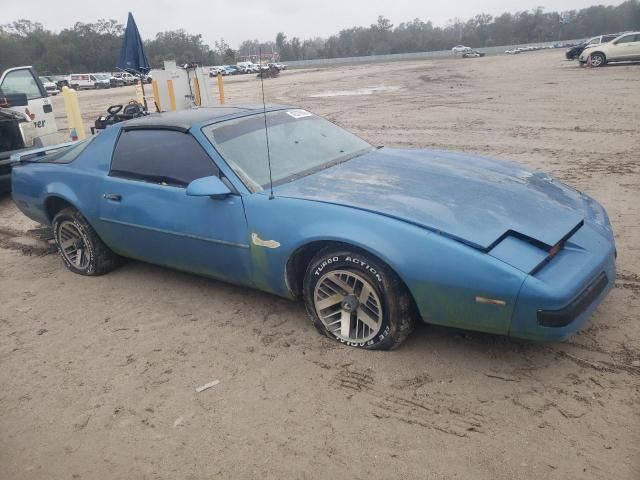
x: 98, y: 375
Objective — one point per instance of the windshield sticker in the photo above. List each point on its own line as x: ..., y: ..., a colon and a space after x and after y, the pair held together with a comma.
x: 298, y: 113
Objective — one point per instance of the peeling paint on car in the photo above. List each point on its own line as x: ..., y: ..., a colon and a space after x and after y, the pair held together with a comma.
x: 263, y: 243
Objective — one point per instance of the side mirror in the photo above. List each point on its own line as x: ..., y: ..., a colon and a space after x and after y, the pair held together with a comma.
x: 208, y: 187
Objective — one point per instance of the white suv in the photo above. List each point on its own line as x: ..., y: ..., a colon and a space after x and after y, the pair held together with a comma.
x: 624, y: 48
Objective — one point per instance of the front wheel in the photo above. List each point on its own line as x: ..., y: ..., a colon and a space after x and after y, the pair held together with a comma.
x: 597, y: 60
x: 81, y: 249
x: 353, y: 298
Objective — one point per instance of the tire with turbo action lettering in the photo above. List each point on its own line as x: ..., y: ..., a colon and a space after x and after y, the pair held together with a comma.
x: 80, y: 247
x: 356, y: 299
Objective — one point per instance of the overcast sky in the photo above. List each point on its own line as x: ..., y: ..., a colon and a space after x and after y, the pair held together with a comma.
x: 237, y: 20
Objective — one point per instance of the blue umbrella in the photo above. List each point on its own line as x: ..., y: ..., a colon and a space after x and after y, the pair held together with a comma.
x: 132, y: 57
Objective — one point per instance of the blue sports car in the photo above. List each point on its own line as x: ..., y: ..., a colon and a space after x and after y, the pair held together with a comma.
x: 372, y: 239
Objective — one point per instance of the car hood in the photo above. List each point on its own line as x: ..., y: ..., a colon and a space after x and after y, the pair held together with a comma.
x: 473, y: 199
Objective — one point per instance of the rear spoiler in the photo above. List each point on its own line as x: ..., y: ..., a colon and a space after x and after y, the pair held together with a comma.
x: 38, y: 152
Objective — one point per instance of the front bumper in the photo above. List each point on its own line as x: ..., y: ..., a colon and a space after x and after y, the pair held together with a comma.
x: 556, y: 302
x: 584, y: 56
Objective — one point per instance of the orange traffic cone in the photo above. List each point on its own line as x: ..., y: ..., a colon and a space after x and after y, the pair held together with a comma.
x: 588, y: 62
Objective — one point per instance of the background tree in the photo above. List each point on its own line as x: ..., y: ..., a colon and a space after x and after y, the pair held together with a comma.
x: 94, y: 47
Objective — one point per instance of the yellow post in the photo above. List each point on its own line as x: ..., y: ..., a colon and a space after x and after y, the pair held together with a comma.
x: 74, y: 118
x: 172, y: 95
x: 196, y: 89
x: 156, y: 94
x: 221, y: 88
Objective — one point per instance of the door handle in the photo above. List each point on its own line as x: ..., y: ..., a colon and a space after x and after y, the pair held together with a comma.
x: 112, y: 196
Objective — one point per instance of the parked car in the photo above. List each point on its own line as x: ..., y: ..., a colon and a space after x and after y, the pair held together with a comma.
x: 371, y: 239
x: 248, y: 67
x: 231, y: 70
x: 16, y: 133
x: 625, y: 47
x: 113, y: 81
x: 472, y: 54
x: 104, y: 79
x: 575, y: 51
x: 50, y: 86
x: 460, y: 49
x: 512, y: 51
x: 27, y: 119
x: 214, y: 71
x: 60, y: 80
x: 86, y: 81
x: 126, y: 77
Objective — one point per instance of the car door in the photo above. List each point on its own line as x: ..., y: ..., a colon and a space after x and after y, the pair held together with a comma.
x: 625, y: 48
x: 39, y: 108
x: 146, y: 214
x: 633, y: 47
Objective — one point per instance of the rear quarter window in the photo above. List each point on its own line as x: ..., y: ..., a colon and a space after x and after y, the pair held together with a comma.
x: 65, y: 155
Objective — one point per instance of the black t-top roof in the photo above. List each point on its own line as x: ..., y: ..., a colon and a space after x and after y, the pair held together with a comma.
x: 184, y: 119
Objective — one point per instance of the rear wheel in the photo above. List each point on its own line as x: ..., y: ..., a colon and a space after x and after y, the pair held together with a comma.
x: 81, y: 249
x: 355, y: 299
x: 598, y: 60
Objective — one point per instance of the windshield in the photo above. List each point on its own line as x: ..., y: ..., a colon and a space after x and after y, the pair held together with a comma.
x: 299, y: 142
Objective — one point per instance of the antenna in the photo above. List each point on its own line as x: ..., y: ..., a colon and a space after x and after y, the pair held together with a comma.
x: 266, y: 130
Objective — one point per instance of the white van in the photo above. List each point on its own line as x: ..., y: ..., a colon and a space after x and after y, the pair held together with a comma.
x: 24, y: 80
x: 83, y: 81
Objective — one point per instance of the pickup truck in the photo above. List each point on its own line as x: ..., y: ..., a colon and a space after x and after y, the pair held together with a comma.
x: 27, y: 120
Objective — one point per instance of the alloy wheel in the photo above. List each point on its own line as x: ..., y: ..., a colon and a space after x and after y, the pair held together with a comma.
x: 348, y: 306
x: 72, y: 245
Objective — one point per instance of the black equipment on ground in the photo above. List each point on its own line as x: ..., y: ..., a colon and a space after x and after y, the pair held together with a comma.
x: 120, y: 113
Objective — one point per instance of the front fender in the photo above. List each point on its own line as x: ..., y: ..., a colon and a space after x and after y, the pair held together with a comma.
x: 445, y: 277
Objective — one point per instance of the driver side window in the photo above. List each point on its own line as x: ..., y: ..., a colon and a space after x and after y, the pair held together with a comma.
x: 22, y: 81
x: 165, y: 157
